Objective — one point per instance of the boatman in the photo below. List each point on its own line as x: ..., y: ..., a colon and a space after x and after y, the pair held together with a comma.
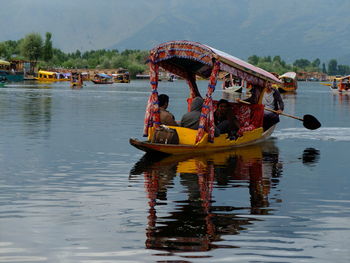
x: 272, y: 100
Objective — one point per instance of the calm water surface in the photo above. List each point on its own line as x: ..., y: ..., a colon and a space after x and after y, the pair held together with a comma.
x: 74, y: 190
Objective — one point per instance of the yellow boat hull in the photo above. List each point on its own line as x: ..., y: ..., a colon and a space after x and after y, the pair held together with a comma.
x: 187, y: 138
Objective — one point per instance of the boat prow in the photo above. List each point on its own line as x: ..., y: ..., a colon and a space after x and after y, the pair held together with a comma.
x: 234, y: 89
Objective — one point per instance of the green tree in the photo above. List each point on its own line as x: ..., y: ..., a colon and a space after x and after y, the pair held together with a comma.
x: 4, y: 53
x: 47, y: 49
x: 324, y: 70
x: 343, y: 70
x: 316, y: 63
x: 302, y: 63
x: 253, y: 60
x: 276, y: 59
x: 333, y: 67
x: 31, y: 46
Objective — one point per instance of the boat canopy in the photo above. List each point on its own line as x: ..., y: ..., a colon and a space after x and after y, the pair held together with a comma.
x: 5, y: 63
x: 47, y: 72
x: 346, y: 77
x: 186, y: 57
x: 102, y: 75
x: 291, y: 75
x: 189, y: 59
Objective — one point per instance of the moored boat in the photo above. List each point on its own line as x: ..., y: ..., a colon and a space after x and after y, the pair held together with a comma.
x: 101, y: 78
x: 190, y: 59
x: 231, y: 84
x: 9, y: 73
x: 52, y: 76
x: 122, y: 76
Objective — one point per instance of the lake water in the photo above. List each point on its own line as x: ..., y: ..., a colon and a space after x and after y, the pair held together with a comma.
x: 74, y: 190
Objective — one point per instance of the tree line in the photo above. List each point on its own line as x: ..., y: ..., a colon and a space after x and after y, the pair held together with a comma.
x: 33, y: 47
x: 276, y: 64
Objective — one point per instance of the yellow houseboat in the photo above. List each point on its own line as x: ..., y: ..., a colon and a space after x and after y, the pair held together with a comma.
x: 190, y: 59
x: 51, y: 76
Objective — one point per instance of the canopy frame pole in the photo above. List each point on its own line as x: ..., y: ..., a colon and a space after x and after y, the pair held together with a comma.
x: 152, y: 118
x: 206, y: 121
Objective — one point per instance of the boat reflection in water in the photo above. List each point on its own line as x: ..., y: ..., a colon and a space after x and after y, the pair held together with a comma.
x: 195, y: 201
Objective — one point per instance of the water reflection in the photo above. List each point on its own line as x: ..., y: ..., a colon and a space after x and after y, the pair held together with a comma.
x: 192, y: 199
x: 344, y: 99
x: 37, y: 112
x: 311, y: 156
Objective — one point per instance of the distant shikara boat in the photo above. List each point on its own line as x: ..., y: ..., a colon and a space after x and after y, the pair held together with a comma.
x: 190, y: 59
x: 289, y: 82
x: 122, y: 76
x: 343, y: 85
x: 230, y: 86
x: 101, y: 78
x: 76, y: 80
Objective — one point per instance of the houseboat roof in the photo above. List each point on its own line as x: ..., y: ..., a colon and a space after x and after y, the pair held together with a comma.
x: 3, y: 62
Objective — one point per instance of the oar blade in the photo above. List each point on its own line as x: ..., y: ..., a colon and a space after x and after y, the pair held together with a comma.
x: 310, y: 122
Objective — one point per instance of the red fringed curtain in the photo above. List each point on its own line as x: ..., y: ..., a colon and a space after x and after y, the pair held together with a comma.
x: 152, y: 109
x: 206, y: 121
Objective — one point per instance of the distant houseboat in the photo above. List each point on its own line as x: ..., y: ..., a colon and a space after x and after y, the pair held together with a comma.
x: 9, y: 73
x: 51, y: 76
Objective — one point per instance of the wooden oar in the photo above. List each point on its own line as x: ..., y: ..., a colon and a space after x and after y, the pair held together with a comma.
x: 309, y: 121
x: 326, y: 84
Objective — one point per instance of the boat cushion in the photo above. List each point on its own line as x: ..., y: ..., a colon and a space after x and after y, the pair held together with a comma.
x: 250, y: 117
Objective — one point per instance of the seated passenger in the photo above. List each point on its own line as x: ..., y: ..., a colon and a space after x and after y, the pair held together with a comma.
x: 165, y: 116
x: 224, y: 119
x: 191, y: 118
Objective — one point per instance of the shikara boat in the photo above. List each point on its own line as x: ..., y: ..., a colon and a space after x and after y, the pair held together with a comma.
x: 101, y: 78
x: 51, y: 76
x: 76, y: 80
x: 122, y: 76
x: 230, y: 85
x: 289, y: 82
x: 191, y: 59
x: 343, y: 85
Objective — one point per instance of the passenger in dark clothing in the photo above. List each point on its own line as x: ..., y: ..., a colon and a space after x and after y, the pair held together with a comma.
x: 191, y: 119
x: 224, y: 119
x: 165, y: 116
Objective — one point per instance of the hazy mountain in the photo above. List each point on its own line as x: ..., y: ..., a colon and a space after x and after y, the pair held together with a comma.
x: 292, y: 29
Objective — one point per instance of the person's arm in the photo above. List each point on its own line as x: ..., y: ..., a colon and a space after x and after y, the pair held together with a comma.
x: 280, y: 103
x: 170, y: 120
x: 254, y: 98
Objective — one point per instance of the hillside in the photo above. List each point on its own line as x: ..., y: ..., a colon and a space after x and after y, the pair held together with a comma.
x: 293, y: 29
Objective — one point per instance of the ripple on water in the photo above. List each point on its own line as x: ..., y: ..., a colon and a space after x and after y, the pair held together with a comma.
x: 323, y: 134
